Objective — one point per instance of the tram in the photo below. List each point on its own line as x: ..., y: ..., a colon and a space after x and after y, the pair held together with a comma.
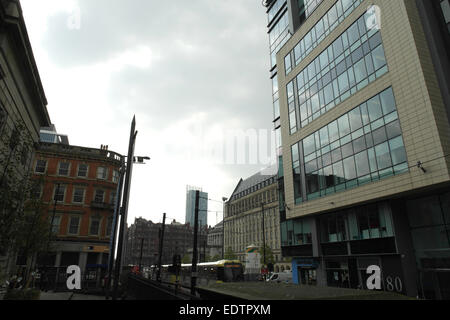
x: 223, y: 270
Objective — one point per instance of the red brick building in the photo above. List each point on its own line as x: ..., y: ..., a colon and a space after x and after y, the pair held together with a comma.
x: 80, y: 186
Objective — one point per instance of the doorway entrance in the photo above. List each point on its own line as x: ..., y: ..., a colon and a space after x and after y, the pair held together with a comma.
x: 307, y: 276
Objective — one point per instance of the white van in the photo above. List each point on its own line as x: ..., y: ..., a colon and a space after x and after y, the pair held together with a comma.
x: 285, y: 277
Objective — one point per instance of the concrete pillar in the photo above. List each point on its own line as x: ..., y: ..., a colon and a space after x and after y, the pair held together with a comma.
x: 82, y: 261
x: 317, y: 252
x: 405, y: 246
x: 58, y: 259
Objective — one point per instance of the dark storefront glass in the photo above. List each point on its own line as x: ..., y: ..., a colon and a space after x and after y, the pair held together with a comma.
x: 429, y: 220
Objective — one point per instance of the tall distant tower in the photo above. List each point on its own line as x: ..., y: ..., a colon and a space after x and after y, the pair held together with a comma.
x: 190, y: 206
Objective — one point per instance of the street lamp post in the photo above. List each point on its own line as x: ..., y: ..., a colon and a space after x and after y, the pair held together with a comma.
x: 224, y: 199
x: 264, y: 236
x: 124, y: 209
x: 140, y: 256
x: 113, y: 235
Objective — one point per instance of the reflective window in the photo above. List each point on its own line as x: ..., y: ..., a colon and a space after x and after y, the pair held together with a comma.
x: 323, y: 27
x: 357, y: 148
x: 347, y: 66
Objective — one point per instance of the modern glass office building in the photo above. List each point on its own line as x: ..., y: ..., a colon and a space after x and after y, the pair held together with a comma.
x: 202, y: 207
x: 361, y: 110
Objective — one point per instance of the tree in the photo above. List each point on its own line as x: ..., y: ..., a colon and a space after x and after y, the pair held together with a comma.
x: 229, y: 254
x: 23, y: 227
x: 269, y: 255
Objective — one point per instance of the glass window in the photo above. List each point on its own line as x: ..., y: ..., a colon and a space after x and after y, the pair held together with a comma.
x: 349, y: 168
x: 393, y: 129
x: 297, y: 183
x: 355, y: 119
x: 334, y: 131
x: 319, y: 28
x: 430, y: 238
x: 338, y: 171
x: 59, y: 194
x: 82, y: 170
x: 329, y: 178
x: 323, y: 59
x: 64, y: 168
x: 379, y: 136
x: 353, y: 33
x: 41, y: 166
x: 324, y: 140
x: 309, y: 145
x: 290, y: 90
x: 102, y: 173
x: 375, y: 40
x: 275, y: 84
x: 343, y: 83
x: 347, y: 150
x: 332, y: 15
x: 374, y: 107
x: 95, y: 226
x: 359, y: 144
x: 312, y: 183
x: 398, y: 151
x: 337, y: 47
x: 315, y: 103
x: 383, y: 156
x: 328, y: 93
x: 287, y: 63
x: 387, y: 101
x: 74, y: 225
x: 311, y: 166
x: 336, y: 155
x: 115, y: 176
x: 379, y: 59
x: 56, y: 224
x: 369, y: 64
x: 360, y: 71
x: 344, y: 126
x: 78, y: 195
x: 295, y: 155
x: 99, y: 196
x: 362, y: 164
x: 372, y: 160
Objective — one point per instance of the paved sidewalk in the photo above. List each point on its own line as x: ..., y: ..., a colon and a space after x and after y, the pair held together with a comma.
x: 68, y: 296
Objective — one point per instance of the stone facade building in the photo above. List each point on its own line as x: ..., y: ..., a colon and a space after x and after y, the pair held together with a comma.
x: 23, y: 112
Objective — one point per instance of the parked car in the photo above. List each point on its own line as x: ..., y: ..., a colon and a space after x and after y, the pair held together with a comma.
x: 279, y: 277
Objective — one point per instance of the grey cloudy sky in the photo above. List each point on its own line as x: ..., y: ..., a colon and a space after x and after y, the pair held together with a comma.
x: 191, y: 72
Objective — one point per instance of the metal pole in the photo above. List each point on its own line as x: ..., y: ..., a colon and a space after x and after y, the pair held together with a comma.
x: 223, y: 229
x: 140, y: 257
x: 194, y: 254
x: 264, y: 237
x: 113, y: 236
x: 124, y: 210
x: 161, y: 242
